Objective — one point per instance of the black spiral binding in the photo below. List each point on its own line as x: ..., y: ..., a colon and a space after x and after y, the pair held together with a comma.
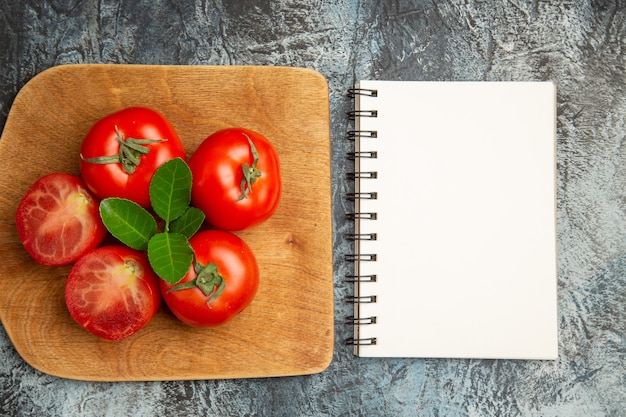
x: 352, y: 92
x: 356, y: 258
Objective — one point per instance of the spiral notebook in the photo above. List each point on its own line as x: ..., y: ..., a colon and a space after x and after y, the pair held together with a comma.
x: 455, y: 229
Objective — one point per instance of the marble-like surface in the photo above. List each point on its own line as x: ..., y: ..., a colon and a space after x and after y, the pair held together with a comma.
x: 580, y: 45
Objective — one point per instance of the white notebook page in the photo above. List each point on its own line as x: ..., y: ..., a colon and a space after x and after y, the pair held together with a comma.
x: 466, y: 233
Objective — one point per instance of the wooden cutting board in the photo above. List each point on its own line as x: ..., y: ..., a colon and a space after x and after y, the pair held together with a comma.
x: 288, y: 328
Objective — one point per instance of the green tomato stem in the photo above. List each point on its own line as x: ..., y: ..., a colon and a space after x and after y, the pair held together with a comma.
x: 250, y: 172
x: 208, y: 280
x: 129, y: 155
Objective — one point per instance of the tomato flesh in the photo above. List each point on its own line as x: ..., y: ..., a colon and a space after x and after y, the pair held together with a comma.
x: 58, y: 220
x: 238, y: 267
x: 112, y: 292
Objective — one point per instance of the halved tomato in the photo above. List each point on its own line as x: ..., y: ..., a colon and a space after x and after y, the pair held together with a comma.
x: 112, y: 292
x: 58, y: 220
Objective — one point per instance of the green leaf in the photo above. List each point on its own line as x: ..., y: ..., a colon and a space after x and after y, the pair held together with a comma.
x: 189, y: 223
x: 170, y: 189
x: 126, y: 220
x: 170, y: 256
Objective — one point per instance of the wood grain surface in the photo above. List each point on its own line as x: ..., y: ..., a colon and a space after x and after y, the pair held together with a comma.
x: 288, y: 328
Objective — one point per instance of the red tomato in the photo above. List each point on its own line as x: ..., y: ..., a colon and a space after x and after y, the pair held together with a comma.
x: 122, y: 151
x: 220, y: 188
x: 58, y: 220
x: 112, y: 292
x: 226, y: 285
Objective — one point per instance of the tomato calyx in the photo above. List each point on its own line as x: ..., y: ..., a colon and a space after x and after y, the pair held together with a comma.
x: 208, y: 280
x: 250, y: 172
x: 130, y: 152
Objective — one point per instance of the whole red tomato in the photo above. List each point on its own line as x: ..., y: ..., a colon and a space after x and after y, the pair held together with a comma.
x: 236, y: 179
x: 222, y: 282
x: 112, y: 292
x: 121, y: 152
x: 58, y: 221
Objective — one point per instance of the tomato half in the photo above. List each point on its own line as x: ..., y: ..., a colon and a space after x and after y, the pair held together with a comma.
x: 221, y: 284
x: 121, y: 152
x: 112, y: 292
x: 220, y: 188
x: 58, y: 221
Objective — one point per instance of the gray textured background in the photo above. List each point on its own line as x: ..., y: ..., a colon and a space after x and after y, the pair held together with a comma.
x: 578, y: 44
